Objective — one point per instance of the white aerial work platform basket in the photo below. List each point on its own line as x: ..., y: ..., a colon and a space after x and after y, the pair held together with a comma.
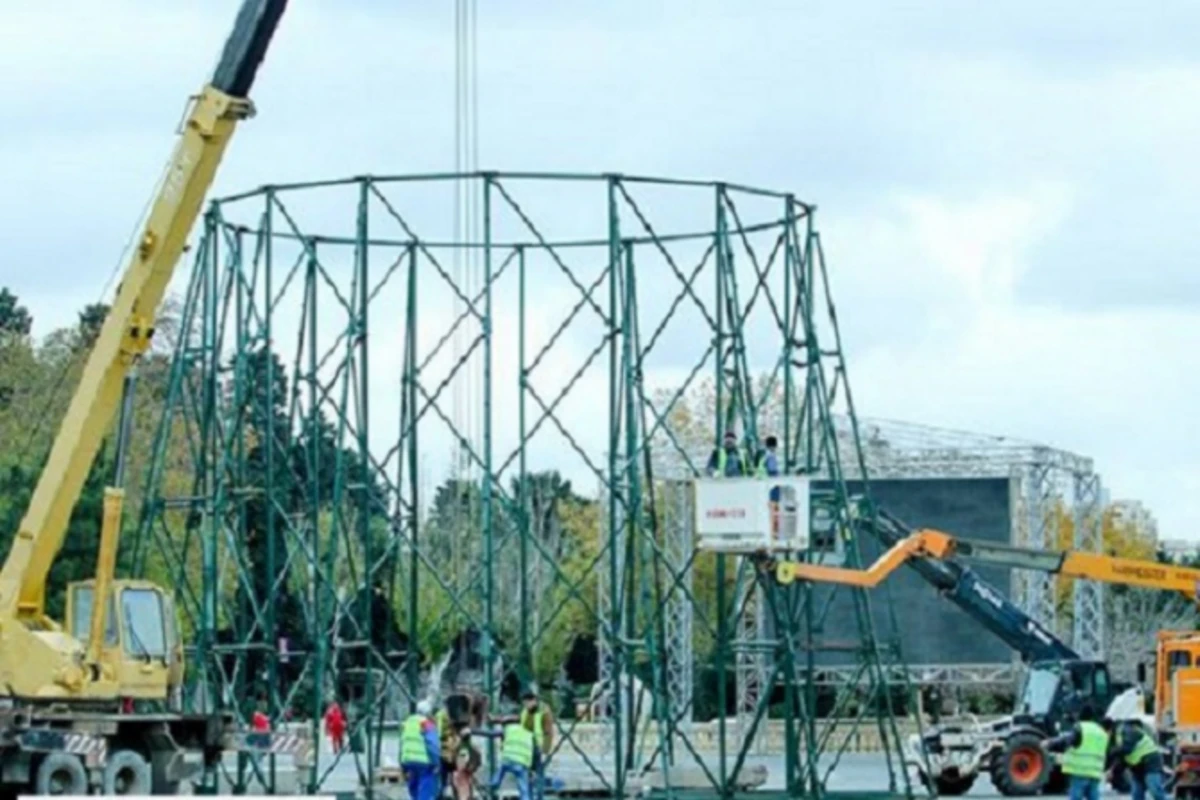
x: 751, y: 515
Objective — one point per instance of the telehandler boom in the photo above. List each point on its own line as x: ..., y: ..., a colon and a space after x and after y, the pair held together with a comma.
x: 1176, y: 694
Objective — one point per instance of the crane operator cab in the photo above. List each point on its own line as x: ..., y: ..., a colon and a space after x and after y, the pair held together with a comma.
x: 765, y: 516
x: 141, y: 647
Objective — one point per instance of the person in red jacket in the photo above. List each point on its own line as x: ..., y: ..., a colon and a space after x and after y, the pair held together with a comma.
x: 335, y: 726
x: 259, y: 722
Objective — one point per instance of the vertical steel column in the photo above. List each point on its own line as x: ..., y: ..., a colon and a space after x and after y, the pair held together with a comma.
x: 274, y: 709
x: 634, y: 522
x: 804, y: 296
x: 722, y: 653
x: 409, y: 414
x: 1088, y: 597
x: 616, y: 596
x: 317, y: 587
x: 487, y: 518
x: 208, y: 485
x: 361, y: 329
x: 525, y: 668
x: 789, y: 257
x: 244, y: 307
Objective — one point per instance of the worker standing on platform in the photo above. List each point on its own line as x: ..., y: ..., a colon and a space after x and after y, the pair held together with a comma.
x: 420, y: 753
x: 538, y: 719
x: 768, y: 459
x: 1086, y: 754
x: 726, y: 461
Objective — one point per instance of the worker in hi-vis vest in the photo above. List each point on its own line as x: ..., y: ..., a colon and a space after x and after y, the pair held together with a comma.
x: 537, y: 718
x: 420, y: 753
x: 1086, y: 755
x: 1138, y: 753
x: 516, y: 758
x: 727, y: 461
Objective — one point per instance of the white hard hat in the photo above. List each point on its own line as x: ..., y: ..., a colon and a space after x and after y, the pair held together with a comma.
x: 425, y: 708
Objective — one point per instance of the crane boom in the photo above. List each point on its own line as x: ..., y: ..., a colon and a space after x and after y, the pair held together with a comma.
x: 929, y: 543
x: 127, y: 330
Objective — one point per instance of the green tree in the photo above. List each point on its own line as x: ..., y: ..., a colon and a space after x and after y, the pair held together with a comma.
x: 91, y: 319
x: 14, y: 317
x: 77, y: 558
x: 15, y: 350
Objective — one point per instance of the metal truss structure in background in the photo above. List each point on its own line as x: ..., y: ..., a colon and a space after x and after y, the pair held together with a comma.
x: 1053, y: 493
x: 322, y: 338
x: 967, y: 676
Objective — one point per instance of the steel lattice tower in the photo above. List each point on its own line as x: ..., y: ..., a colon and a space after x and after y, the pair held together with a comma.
x: 322, y: 334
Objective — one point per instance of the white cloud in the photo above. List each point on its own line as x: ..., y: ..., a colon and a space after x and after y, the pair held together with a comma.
x: 1003, y: 192
x: 1108, y: 384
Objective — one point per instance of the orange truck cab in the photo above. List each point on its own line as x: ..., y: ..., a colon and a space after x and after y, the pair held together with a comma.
x: 1177, y: 681
x: 1177, y: 705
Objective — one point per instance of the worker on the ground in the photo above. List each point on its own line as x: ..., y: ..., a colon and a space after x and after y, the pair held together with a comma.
x: 420, y: 753
x: 516, y: 758
x: 538, y: 719
x: 1086, y: 746
x: 726, y: 460
x: 768, y: 460
x: 448, y: 738
x: 335, y: 726
x: 259, y: 720
x: 1137, y: 752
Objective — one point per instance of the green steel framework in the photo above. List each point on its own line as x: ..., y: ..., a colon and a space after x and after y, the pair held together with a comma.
x: 746, y: 269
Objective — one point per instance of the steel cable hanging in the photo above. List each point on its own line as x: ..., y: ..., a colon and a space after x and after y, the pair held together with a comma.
x: 467, y: 392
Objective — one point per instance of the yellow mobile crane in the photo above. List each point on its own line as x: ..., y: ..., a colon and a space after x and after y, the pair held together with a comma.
x: 67, y: 688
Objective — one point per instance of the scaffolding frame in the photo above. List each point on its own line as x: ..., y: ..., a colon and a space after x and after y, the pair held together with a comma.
x: 286, y: 503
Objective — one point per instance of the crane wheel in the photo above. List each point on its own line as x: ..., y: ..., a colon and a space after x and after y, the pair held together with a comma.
x: 61, y: 773
x: 1021, y: 768
x: 127, y: 772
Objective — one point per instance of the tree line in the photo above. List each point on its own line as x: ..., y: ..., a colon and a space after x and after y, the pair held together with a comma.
x: 558, y: 568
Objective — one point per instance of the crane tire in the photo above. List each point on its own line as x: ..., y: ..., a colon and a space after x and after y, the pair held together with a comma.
x: 60, y: 773
x: 127, y: 772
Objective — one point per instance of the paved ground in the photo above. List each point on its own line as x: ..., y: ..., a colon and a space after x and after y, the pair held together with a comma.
x: 854, y: 772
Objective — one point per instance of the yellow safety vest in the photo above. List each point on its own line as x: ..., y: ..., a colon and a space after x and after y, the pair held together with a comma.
x: 1087, y: 760
x: 1146, y: 746
x: 534, y: 722
x: 723, y: 461
x: 412, y: 742
x: 518, y: 746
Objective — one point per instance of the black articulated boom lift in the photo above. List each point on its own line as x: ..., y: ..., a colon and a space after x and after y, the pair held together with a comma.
x: 66, y: 726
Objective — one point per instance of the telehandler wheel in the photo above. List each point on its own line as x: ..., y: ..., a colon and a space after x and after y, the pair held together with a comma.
x: 1021, y: 768
x: 127, y: 772
x: 60, y: 773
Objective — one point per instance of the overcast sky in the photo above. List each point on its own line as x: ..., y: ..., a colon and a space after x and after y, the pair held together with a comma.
x: 1007, y: 191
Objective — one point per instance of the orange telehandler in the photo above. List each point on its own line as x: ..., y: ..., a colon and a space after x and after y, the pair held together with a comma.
x: 1176, y: 689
